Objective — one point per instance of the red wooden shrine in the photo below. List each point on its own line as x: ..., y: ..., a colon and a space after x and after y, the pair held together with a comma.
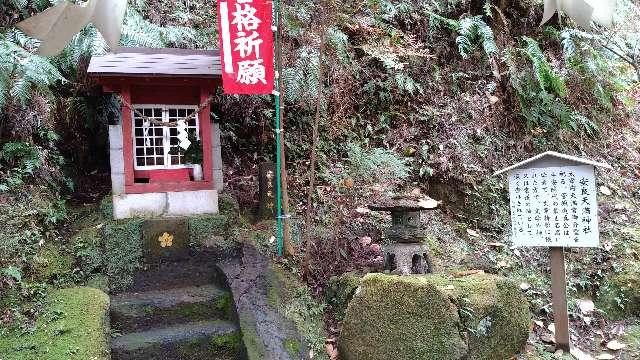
x: 161, y: 83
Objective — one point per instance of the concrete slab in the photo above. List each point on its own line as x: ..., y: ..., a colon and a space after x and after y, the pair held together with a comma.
x: 192, y: 202
x: 140, y: 205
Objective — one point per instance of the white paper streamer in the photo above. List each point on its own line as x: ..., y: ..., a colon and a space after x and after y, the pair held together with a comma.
x: 582, y: 11
x: 55, y: 26
x: 183, y: 136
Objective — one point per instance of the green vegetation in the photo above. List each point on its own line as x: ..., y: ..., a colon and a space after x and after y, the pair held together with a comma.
x: 123, y: 251
x: 203, y: 228
x: 340, y: 291
x: 292, y: 299
x: 73, y: 326
x: 225, y: 305
x: 434, y: 317
x: 418, y: 96
x: 227, y: 344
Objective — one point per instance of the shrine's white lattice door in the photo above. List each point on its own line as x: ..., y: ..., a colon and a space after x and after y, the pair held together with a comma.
x: 156, y: 146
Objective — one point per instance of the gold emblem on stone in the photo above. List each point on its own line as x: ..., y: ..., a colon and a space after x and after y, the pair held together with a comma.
x: 166, y: 240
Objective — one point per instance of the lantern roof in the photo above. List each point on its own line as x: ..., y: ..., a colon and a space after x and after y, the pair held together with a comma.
x: 552, y: 159
x: 152, y: 62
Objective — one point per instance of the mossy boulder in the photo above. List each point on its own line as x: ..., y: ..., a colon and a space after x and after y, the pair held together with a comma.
x: 340, y: 291
x: 211, y: 232
x: 74, y: 325
x: 481, y: 317
x: 123, y: 252
x: 620, y: 295
x: 51, y: 263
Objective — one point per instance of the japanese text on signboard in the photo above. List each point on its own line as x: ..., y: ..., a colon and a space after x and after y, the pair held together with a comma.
x: 246, y: 46
x: 554, y: 206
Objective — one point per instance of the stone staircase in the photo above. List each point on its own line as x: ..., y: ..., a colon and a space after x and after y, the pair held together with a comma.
x: 176, y: 311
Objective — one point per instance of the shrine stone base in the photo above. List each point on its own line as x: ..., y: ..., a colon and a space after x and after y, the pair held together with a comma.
x: 404, y: 258
x: 165, y: 204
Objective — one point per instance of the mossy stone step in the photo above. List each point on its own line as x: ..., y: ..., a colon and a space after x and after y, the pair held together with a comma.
x: 132, y: 312
x: 198, y: 340
x: 198, y: 270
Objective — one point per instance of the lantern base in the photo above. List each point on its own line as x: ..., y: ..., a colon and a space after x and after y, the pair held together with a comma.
x: 405, y: 259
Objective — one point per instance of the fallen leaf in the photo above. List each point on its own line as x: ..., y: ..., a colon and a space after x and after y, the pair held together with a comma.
x: 615, y: 345
x: 548, y: 338
x: 467, y: 273
x: 493, y: 99
x: 586, y: 306
x: 525, y: 286
x: 580, y: 355
x: 376, y: 247
x: 365, y: 240
x: 606, y: 245
x: 362, y: 210
x: 605, y: 356
x: 332, y: 352
x: 552, y: 327
x: 539, y: 323
x: 502, y: 264
x: 496, y: 244
x: 605, y: 190
x: 428, y: 203
x: 473, y: 233
x: 416, y: 192
x: 449, y: 287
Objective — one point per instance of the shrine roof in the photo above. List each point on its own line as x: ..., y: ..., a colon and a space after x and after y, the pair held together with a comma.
x: 157, y: 62
x: 552, y: 159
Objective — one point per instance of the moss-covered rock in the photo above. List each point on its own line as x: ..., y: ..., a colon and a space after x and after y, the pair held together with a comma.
x: 210, y: 232
x: 340, y: 291
x: 73, y: 326
x: 123, y: 252
x: 51, y: 263
x: 433, y: 317
x: 106, y: 207
x: 228, y: 205
x: 620, y: 294
x: 228, y: 344
x: 88, y: 250
x: 632, y: 340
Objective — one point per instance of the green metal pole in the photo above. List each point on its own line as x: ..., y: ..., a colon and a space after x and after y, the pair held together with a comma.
x: 276, y: 8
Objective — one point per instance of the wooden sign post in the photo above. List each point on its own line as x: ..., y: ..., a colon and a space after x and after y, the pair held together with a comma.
x: 553, y: 204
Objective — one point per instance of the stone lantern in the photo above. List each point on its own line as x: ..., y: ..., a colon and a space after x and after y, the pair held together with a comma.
x: 408, y: 254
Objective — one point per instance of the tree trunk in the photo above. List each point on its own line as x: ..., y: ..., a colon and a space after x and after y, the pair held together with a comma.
x: 312, y: 165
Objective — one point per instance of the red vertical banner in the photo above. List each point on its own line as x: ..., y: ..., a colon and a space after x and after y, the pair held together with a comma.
x: 246, y: 46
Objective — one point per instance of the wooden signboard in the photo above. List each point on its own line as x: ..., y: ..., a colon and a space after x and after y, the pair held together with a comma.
x: 553, y: 204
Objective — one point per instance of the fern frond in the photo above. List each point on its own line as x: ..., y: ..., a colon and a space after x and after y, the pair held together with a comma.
x: 340, y: 43
x: 301, y: 79
x: 547, y: 78
x: 473, y: 30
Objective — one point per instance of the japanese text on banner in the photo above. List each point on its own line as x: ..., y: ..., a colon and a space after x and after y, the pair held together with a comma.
x: 246, y: 46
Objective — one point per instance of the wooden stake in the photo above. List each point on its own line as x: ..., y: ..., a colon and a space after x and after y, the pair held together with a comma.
x: 559, y: 294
